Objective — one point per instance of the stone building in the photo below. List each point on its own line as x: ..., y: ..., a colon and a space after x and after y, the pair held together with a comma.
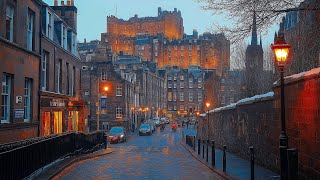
x: 184, y: 91
x: 108, y: 107
x: 61, y: 106
x: 19, y: 69
x: 121, y: 33
x: 301, y: 31
x: 165, y: 43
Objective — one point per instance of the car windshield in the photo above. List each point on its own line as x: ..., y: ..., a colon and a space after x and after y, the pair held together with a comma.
x: 116, y: 130
x: 145, y: 126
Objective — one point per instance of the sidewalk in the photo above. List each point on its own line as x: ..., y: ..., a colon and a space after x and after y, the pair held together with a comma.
x: 236, y: 167
x: 53, y: 169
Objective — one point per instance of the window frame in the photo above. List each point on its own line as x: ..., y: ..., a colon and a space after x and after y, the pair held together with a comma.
x: 7, y: 96
x: 27, y: 100
x: 10, y: 10
x: 119, y: 90
x: 30, y: 29
x: 118, y: 112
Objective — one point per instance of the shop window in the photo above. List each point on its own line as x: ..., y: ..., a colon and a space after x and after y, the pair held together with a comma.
x: 46, y: 127
x: 57, y: 122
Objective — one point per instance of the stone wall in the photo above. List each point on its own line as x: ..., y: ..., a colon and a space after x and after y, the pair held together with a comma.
x: 256, y: 122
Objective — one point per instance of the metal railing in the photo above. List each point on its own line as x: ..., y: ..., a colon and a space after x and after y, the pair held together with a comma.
x: 22, y: 161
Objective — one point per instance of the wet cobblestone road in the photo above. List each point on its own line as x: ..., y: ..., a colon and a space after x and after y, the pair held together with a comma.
x: 159, y: 156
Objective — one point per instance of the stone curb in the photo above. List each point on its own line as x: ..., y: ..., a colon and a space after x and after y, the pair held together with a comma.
x: 222, y: 174
x: 78, y: 159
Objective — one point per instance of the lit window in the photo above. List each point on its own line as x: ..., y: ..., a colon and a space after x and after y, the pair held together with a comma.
x: 27, y: 99
x: 118, y: 112
x: 169, y: 96
x: 6, y: 98
x: 119, y: 90
x: 9, y: 22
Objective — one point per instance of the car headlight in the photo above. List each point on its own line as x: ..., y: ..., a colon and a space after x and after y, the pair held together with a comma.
x: 121, y: 135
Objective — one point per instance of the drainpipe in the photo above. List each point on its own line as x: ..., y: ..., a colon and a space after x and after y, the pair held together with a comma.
x: 39, y: 75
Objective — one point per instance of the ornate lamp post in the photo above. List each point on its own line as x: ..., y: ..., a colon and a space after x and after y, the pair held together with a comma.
x: 208, y: 105
x: 281, y: 51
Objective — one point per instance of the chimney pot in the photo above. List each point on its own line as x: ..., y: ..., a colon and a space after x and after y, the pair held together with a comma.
x: 68, y: 3
x: 85, y: 40
x: 62, y: 3
x: 56, y: 3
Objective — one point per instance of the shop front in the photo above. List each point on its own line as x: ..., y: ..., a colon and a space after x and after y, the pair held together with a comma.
x: 76, y: 113
x: 53, y: 112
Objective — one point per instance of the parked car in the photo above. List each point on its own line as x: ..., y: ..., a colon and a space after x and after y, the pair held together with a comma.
x: 152, y: 125
x: 157, y: 121
x: 145, y: 129
x: 117, y: 134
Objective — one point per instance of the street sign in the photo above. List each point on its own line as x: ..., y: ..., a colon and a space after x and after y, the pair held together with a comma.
x: 103, y: 104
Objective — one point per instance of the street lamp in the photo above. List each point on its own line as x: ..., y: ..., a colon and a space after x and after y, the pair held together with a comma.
x: 281, y: 51
x: 105, y: 89
x: 208, y: 105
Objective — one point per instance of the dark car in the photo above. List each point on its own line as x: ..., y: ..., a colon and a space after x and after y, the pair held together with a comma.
x: 117, y: 134
x: 145, y: 129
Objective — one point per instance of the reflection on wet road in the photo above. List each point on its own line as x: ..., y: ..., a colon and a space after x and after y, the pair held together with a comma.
x: 159, y: 156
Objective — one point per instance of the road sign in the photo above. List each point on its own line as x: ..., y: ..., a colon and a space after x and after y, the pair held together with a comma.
x: 103, y: 104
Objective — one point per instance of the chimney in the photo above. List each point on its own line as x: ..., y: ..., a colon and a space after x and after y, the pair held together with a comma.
x: 62, y: 3
x: 85, y: 40
x: 56, y: 3
x: 72, y: 2
x: 68, y: 2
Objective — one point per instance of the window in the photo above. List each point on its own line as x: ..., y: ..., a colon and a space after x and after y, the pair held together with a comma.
x: 9, y: 22
x: 119, y: 90
x: 223, y: 100
x: 169, y: 77
x: 27, y: 99
x: 142, y: 47
x: 44, y: 71
x: 169, y: 108
x: 199, y: 97
x: 174, y: 96
x: 68, y: 79
x: 169, y: 84
x: 181, y: 107
x: 181, y: 84
x: 174, y: 84
x: 181, y: 78
x: 190, y: 83
x: 49, y: 26
x: 104, y: 75
x: 73, y: 82
x: 59, y: 77
x: 118, y: 112
x: 190, y: 97
x: 190, y: 47
x: 222, y: 88
x: 169, y: 96
x: 182, y: 47
x: 181, y: 96
x: 199, y: 83
x: 156, y: 54
x: 175, y: 107
x: 30, y: 30
x: 175, y: 78
x: 6, y: 98
x: 198, y: 47
x: 222, y: 81
x: 64, y: 37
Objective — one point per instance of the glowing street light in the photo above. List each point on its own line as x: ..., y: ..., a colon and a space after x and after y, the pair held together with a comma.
x: 281, y: 51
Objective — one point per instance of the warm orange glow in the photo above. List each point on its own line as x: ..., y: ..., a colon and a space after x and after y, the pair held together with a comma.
x: 207, y: 104
x: 281, y: 54
x: 106, y: 88
x: 198, y: 113
x: 132, y: 108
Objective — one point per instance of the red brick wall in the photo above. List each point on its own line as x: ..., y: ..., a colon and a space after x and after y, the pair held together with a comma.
x: 258, y: 124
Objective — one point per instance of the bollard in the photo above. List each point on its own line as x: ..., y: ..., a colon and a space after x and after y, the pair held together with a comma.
x: 224, y: 158
x: 207, y: 150
x: 213, y: 156
x: 202, y: 149
x: 252, y: 162
x: 198, y: 146
x: 292, y: 164
x: 194, y: 143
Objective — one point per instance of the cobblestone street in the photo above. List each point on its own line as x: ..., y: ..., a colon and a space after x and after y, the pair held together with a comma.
x: 159, y: 156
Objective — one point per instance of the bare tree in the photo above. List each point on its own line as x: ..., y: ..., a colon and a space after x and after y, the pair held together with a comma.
x: 240, y: 13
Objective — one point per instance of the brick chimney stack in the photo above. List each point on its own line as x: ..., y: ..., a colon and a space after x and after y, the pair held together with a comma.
x: 56, y: 3
x: 62, y: 3
x: 68, y: 3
